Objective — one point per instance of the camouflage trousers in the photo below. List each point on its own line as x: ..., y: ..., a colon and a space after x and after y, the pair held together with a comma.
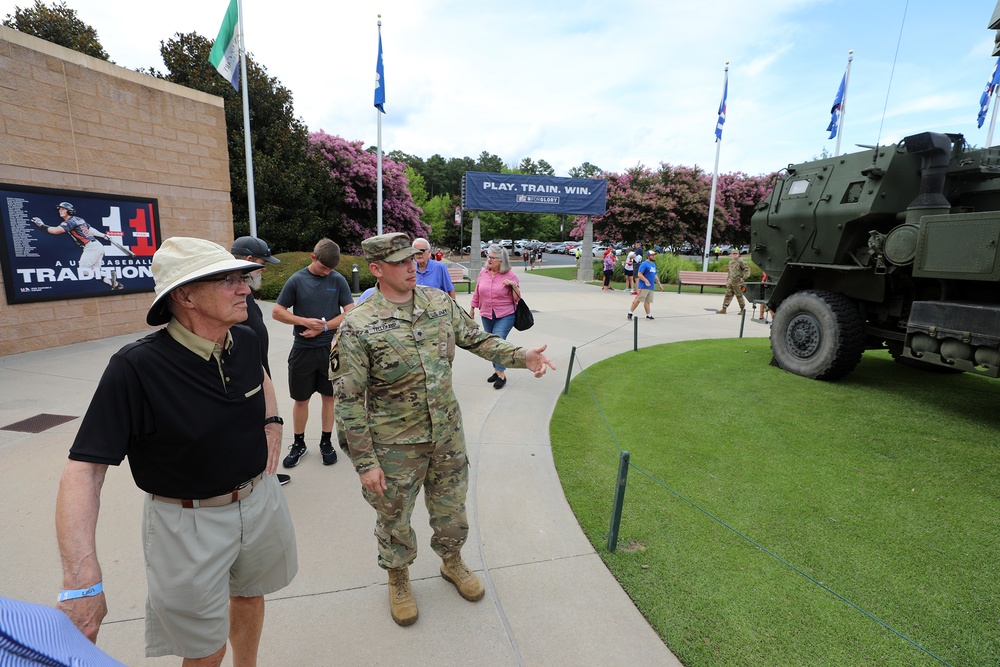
x: 442, y: 469
x: 731, y: 289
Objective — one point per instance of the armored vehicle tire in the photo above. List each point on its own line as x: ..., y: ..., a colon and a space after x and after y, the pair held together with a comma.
x: 818, y: 335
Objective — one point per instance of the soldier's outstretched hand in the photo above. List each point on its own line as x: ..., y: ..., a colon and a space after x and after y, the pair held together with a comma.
x: 536, y: 362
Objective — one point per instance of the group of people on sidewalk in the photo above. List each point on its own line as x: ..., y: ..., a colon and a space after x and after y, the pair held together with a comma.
x: 193, y: 409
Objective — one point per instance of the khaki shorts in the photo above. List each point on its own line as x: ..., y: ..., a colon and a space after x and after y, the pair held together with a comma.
x: 196, y: 558
x: 644, y: 296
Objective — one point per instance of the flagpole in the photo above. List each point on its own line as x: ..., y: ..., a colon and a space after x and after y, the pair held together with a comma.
x: 251, y: 199
x: 843, y: 103
x: 715, y: 181
x: 993, y: 121
x: 379, y: 114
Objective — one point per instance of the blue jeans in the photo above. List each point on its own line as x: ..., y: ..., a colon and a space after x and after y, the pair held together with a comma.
x: 501, y: 326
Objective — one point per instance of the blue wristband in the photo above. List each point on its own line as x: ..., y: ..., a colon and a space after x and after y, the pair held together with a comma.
x: 81, y: 592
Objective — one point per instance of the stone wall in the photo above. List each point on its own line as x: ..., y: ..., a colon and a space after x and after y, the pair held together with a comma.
x: 71, y: 121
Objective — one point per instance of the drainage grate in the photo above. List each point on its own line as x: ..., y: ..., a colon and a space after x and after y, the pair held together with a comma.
x: 37, y: 424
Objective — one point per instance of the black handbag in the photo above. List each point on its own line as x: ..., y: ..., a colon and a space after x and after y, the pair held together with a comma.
x: 523, y: 319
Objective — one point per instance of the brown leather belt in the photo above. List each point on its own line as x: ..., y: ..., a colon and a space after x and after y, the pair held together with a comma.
x: 236, y: 495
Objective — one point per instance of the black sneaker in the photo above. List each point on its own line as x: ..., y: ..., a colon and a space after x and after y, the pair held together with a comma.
x: 284, y: 479
x: 630, y: 315
x: 649, y: 317
x: 296, y: 451
x: 328, y: 452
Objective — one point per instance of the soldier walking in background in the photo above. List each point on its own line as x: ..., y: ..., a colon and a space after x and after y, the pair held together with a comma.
x: 738, y: 272
x: 392, y: 367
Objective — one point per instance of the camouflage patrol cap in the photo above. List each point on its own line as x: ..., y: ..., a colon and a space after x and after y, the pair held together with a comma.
x: 388, y: 248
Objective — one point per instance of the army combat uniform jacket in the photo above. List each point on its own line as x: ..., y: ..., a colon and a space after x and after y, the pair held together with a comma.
x: 392, y: 370
x: 738, y: 271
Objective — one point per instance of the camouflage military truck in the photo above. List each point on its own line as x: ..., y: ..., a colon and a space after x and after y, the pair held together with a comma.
x: 893, y: 247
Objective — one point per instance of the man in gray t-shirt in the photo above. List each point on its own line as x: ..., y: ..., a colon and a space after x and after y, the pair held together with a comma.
x: 314, y: 301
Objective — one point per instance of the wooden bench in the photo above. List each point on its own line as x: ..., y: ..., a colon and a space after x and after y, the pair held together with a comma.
x: 703, y: 278
x: 457, y: 275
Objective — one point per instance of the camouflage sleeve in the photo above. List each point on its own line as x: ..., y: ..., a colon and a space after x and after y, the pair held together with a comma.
x: 351, y: 385
x: 745, y: 273
x: 470, y: 337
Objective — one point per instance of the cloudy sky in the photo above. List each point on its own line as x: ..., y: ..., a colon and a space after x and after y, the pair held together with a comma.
x: 611, y: 83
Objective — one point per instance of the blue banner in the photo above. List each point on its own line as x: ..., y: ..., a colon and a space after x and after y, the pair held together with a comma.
x: 61, y: 244
x: 522, y: 193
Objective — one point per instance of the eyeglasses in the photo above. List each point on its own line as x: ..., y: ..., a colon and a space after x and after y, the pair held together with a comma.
x: 491, y: 257
x: 420, y: 251
x: 233, y: 280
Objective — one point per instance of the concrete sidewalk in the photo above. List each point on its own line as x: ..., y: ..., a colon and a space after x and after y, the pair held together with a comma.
x: 550, y: 600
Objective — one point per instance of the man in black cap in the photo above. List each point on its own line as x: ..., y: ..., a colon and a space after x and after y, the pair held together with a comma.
x: 252, y: 249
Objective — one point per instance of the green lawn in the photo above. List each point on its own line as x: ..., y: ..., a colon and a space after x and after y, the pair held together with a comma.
x: 883, y: 487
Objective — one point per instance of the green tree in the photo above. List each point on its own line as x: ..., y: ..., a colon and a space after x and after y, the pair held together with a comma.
x: 295, y: 199
x: 415, y: 184
x: 489, y: 163
x: 540, y: 168
x: 57, y: 24
x: 439, y: 214
x: 586, y: 170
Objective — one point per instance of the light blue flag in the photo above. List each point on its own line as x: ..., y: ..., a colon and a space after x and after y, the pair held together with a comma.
x: 837, y: 109
x: 984, y: 99
x: 722, y: 109
x: 225, y: 55
x: 379, y: 78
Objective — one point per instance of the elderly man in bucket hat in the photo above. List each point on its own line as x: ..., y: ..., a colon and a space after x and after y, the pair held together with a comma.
x: 193, y: 410
x: 391, y: 363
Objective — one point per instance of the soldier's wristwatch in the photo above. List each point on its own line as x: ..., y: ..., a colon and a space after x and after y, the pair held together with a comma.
x: 274, y: 420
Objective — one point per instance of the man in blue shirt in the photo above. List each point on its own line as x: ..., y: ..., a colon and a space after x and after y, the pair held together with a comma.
x: 431, y: 273
x: 646, y: 278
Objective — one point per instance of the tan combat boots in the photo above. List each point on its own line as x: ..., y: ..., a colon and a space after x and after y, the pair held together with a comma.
x: 454, y: 570
x: 402, y: 606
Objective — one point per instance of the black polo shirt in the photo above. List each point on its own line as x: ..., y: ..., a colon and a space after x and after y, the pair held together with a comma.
x: 188, y: 428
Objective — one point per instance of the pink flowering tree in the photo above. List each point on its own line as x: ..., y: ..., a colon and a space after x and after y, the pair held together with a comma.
x: 737, y: 195
x: 350, y: 199
x: 670, y: 206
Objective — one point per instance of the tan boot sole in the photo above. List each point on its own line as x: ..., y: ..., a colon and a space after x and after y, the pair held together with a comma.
x: 404, y: 621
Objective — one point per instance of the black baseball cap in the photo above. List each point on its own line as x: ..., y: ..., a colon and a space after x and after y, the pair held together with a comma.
x: 254, y: 247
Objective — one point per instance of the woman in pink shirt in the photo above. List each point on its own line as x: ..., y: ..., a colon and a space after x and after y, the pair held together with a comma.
x: 497, y: 293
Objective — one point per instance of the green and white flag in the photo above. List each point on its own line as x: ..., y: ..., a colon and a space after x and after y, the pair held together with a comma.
x: 225, y: 55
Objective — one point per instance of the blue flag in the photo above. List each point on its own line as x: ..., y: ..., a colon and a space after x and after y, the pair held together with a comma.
x: 379, y: 78
x: 722, y: 109
x: 837, y: 109
x: 984, y: 99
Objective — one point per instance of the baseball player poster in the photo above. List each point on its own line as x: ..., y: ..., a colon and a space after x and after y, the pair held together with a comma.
x: 63, y: 244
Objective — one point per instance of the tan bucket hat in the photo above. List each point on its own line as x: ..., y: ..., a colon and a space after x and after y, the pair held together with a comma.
x: 181, y: 260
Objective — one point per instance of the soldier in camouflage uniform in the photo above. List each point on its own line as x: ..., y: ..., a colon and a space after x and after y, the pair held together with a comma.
x: 738, y: 272
x: 391, y: 363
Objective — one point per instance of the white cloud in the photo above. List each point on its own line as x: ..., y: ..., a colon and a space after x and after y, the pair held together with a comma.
x: 614, y: 84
